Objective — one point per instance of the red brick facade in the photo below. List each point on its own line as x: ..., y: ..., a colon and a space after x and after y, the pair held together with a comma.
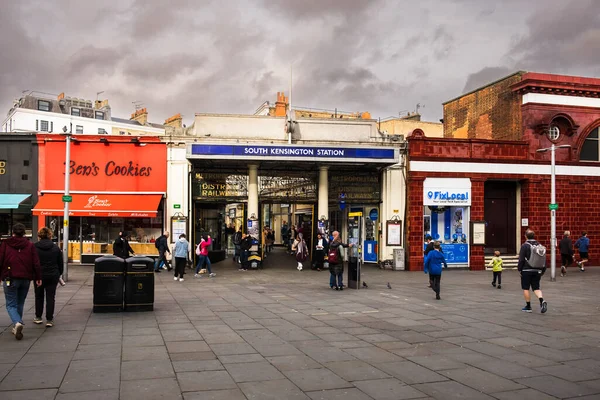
x: 576, y: 195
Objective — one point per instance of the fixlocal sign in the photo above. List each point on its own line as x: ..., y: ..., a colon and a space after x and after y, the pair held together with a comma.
x: 309, y: 153
x: 447, y: 192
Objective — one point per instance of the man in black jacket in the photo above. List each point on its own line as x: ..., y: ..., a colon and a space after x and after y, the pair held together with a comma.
x: 121, y: 247
x: 162, y: 244
x: 530, y: 277
x: 245, y: 246
x: 51, y: 262
x: 566, y: 253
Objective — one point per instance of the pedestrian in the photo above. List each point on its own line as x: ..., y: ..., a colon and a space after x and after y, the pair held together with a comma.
x: 428, y: 248
x: 320, y: 251
x: 245, y: 247
x: 203, y: 259
x: 51, y: 264
x: 162, y: 245
x: 285, y: 234
x: 433, y: 265
x: 566, y: 253
x: 293, y: 235
x: 182, y: 249
x: 237, y: 240
x: 301, y: 251
x: 582, y: 244
x: 336, y: 262
x: 264, y: 244
x: 270, y: 240
x: 496, y: 263
x: 121, y: 247
x: 532, y: 265
x: 19, y: 265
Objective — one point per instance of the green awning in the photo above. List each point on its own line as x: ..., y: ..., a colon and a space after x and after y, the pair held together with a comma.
x: 10, y: 201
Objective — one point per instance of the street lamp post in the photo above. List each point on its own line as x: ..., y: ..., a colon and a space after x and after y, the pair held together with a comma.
x: 66, y: 214
x: 553, y: 207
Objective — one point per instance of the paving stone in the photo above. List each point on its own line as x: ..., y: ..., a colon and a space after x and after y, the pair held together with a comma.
x: 355, y: 370
x: 136, y: 370
x: 558, y: 387
x: 293, y: 362
x: 341, y: 394
x: 481, y: 380
x: 39, y: 394
x: 5, y: 369
x: 193, y: 356
x: 388, y: 389
x: 228, y: 394
x: 316, y: 379
x: 505, y: 368
x: 184, y: 347
x: 232, y: 348
x: 327, y: 354
x: 32, y: 377
x: 451, y: 390
x: 205, y: 380
x: 436, y: 362
x: 97, y: 351
x: 145, y: 353
x: 277, y: 350
x: 193, y: 366
x: 140, y: 331
x: 523, y: 394
x: 249, y: 372
x: 410, y: 373
x: 272, y: 390
x: 183, y: 335
x: 85, y: 376
x: 528, y: 360
x: 111, y: 394
x: 241, y: 358
x: 218, y: 338
x: 151, y: 389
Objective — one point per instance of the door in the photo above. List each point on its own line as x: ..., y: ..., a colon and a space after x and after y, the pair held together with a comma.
x: 500, y: 217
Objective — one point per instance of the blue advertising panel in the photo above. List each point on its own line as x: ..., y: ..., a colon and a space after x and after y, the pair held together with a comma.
x: 296, y: 152
x: 455, y: 253
x: 370, y: 250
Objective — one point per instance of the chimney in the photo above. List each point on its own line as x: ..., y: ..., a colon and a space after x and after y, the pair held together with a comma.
x: 140, y: 116
x: 175, y: 121
x: 281, y: 105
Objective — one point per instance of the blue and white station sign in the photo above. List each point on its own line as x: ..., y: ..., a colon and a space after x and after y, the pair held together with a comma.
x: 388, y: 155
x: 447, y: 192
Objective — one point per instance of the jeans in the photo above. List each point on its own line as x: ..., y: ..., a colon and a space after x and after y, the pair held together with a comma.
x: 180, y: 266
x: 49, y: 289
x: 245, y: 254
x: 498, y: 275
x: 15, y: 296
x: 333, y: 277
x: 201, y: 261
x: 435, y: 282
x: 161, y: 260
x: 237, y: 253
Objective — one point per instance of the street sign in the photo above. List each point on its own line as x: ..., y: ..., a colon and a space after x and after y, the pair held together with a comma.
x: 67, y: 199
x: 176, y: 205
x: 553, y: 206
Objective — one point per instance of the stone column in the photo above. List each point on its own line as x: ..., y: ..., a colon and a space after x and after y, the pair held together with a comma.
x: 323, y: 205
x: 253, y: 190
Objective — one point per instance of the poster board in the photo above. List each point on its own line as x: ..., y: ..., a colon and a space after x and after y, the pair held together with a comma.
x: 179, y: 225
x: 478, y: 233
x: 394, y: 232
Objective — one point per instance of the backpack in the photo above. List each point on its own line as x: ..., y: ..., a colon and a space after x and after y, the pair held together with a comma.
x: 537, y: 259
x: 198, y: 249
x: 237, y: 238
x: 333, y: 256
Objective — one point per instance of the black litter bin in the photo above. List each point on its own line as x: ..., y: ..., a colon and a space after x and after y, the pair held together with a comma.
x: 108, y: 284
x: 139, y: 284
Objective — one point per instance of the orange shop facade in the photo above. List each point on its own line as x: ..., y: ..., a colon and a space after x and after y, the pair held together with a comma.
x: 116, y: 184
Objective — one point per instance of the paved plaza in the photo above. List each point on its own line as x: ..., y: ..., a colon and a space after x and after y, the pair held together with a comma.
x: 282, y: 334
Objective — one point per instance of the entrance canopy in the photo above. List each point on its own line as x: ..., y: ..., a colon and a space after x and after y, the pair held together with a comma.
x: 100, y: 205
x: 12, y: 201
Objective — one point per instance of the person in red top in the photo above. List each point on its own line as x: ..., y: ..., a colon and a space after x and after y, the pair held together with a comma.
x: 202, y: 252
x: 19, y: 265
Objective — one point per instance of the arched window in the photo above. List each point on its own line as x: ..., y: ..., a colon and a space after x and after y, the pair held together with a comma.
x: 590, y: 151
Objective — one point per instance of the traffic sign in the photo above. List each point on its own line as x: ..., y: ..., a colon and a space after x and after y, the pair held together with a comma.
x: 553, y: 206
x: 67, y: 199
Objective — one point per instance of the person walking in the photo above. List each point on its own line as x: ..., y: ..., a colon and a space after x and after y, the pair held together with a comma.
x: 182, y: 249
x: 336, y: 262
x: 285, y: 234
x: 301, y: 251
x: 320, y: 251
x: 292, y: 236
x: 433, y: 265
x: 19, y: 265
x: 566, y: 253
x: 237, y: 240
x: 583, y: 244
x: 245, y: 247
x: 121, y: 246
x: 496, y: 263
x: 203, y: 259
x: 428, y: 249
x: 162, y: 245
x: 51, y: 263
x: 532, y: 265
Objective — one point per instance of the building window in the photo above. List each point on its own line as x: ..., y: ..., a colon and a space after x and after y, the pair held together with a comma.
x: 24, y: 177
x: 121, y: 132
x: 553, y: 133
x: 26, y: 163
x: 101, y: 131
x: 590, y: 151
x: 99, y: 115
x: 44, y: 126
x: 43, y: 105
x: 76, y: 111
x: 78, y: 128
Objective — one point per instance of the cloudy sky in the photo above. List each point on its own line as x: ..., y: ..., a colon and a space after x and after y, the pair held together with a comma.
x: 228, y: 56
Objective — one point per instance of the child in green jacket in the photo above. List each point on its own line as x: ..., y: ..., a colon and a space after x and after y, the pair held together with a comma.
x: 496, y: 265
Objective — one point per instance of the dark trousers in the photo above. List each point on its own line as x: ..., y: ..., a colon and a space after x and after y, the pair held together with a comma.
x: 162, y: 259
x: 48, y: 289
x: 498, y: 274
x: 180, y: 266
x: 319, y: 258
x: 435, y: 282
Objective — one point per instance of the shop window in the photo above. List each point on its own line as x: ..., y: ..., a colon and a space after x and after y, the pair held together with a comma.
x: 78, y: 128
x: 590, y: 151
x: 43, y: 105
x: 446, y: 224
x: 75, y: 111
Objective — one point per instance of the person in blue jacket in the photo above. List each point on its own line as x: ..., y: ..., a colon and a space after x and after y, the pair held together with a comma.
x: 433, y: 265
x: 583, y: 244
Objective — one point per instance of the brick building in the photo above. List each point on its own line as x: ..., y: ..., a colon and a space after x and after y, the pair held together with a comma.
x: 486, y: 172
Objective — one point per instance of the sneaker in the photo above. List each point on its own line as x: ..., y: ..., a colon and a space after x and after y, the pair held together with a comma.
x: 499, y: 286
x: 241, y: 269
x: 49, y: 324
x: 337, y: 288
x: 544, y: 307
x: 494, y: 284
x: 180, y: 279
x: 526, y: 309
x: 212, y: 274
x: 341, y: 288
x: 581, y: 268
x: 18, y: 331
x: 174, y: 278
x: 196, y: 275
x: 437, y: 297
x: 37, y: 320
x: 563, y: 271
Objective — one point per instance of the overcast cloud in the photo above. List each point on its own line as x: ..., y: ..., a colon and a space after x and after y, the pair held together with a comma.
x: 228, y: 56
